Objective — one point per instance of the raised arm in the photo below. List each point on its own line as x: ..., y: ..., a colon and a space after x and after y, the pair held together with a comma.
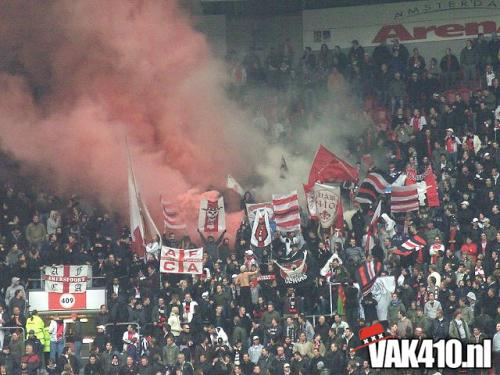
x: 203, y: 239
x: 221, y: 237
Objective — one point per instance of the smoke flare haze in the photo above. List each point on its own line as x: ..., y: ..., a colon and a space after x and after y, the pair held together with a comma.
x: 80, y: 77
x: 111, y: 70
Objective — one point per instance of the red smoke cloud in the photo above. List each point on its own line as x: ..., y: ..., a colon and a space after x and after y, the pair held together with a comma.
x: 113, y: 69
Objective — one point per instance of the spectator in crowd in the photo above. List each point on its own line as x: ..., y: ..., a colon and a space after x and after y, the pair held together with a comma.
x: 450, y: 69
x: 469, y: 59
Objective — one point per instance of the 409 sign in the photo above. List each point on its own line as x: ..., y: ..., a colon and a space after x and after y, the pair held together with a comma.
x: 67, y: 301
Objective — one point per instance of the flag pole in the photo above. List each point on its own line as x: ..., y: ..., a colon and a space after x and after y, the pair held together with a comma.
x: 331, y: 298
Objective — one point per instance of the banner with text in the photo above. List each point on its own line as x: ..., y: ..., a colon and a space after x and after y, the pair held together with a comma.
x: 183, y: 261
x: 66, y: 279
x: 415, y: 21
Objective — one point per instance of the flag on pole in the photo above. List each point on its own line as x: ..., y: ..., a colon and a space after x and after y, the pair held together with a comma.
x: 234, y: 185
x: 373, y: 229
x: 366, y: 275
x: 211, y: 218
x: 286, y: 212
x: 341, y: 299
x: 328, y: 167
x: 283, y: 168
x: 136, y: 224
x: 261, y: 230
x: 171, y: 216
x: 142, y: 226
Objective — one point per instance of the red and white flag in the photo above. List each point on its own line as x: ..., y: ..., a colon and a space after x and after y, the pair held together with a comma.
x: 66, y: 279
x: 142, y: 227
x: 183, y: 261
x: 234, y: 185
x: 261, y: 230
x: 286, y: 212
x: 252, y: 209
x: 411, y: 245
x: 328, y: 167
x: 328, y: 205
x: 373, y: 229
x: 171, y: 216
x: 404, y: 198
x: 212, y: 218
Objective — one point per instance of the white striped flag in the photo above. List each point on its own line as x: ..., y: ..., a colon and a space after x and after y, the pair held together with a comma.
x: 286, y: 212
x: 171, y: 216
x: 404, y: 198
x: 410, y: 246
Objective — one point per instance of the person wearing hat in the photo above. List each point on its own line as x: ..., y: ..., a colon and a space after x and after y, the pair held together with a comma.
x: 36, y: 324
x: 13, y: 288
x: 287, y: 369
x: 101, y: 338
x: 471, y: 298
x: 250, y: 259
x: 489, y: 230
x: 465, y: 214
x: 255, y: 350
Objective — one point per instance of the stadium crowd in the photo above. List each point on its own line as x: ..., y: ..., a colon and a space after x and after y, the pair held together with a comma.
x: 441, y: 113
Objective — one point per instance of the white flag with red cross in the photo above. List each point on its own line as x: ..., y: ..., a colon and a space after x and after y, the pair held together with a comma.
x: 66, y: 279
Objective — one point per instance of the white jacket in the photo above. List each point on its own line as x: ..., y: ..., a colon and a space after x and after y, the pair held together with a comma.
x: 53, y: 330
x: 126, y: 340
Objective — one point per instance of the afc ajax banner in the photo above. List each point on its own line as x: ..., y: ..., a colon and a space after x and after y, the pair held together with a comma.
x: 183, y: 261
x: 326, y: 202
x: 212, y: 218
x: 66, y: 279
